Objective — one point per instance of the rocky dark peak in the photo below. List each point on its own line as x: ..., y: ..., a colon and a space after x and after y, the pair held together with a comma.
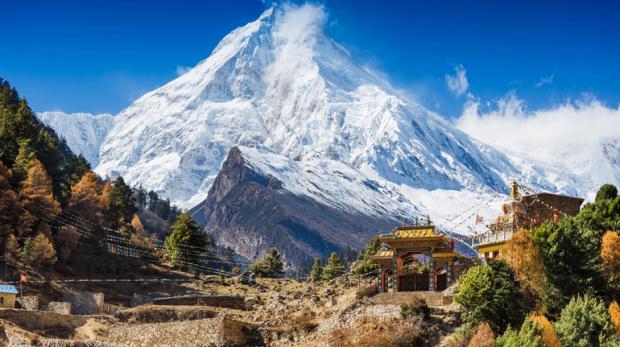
x: 252, y: 212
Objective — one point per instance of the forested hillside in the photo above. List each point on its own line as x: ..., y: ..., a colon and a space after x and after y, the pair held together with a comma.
x: 57, y: 215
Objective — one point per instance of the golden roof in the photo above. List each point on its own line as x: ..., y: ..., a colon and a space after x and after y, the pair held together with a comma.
x: 384, y: 253
x: 414, y: 233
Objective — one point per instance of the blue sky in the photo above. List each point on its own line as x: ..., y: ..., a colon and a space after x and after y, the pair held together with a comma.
x: 98, y: 56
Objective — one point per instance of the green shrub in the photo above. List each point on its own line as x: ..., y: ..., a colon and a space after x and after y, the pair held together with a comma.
x: 491, y: 293
x: 417, y: 308
x: 585, y: 322
x: 530, y: 335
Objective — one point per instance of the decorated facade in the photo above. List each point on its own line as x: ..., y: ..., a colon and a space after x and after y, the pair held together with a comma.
x: 417, y: 258
x: 523, y: 211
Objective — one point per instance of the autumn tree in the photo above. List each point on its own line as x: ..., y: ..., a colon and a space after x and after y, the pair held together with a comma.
x: 614, y: 313
x: 43, y: 252
x: 610, y: 254
x: 11, y: 248
x: 483, y: 336
x: 524, y: 258
x: 139, y: 236
x: 36, y: 194
x: 549, y: 337
x: 86, y: 197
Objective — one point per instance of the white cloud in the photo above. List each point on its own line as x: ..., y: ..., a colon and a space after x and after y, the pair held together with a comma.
x: 509, y: 124
x: 458, y: 83
x: 545, y: 80
x: 182, y: 70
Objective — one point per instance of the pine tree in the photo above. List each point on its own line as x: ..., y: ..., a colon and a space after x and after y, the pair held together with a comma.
x: 9, y: 204
x: 36, y: 194
x: 182, y: 242
x: 317, y: 270
x: 78, y: 167
x: 274, y: 263
x: 122, y: 204
x: 26, y: 253
x: 24, y: 160
x: 333, y: 268
x: 43, y: 252
x: 364, y: 264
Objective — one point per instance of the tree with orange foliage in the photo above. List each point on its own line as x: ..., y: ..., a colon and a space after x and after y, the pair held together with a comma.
x: 36, y: 196
x: 549, y: 337
x: 87, y: 198
x: 610, y: 253
x: 43, y: 252
x: 614, y: 312
x: 525, y: 259
x: 483, y: 337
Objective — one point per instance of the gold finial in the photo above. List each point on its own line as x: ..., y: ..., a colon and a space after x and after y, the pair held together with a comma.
x: 515, y: 190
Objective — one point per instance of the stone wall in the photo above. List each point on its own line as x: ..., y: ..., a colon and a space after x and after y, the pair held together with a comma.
x: 227, y: 301
x: 59, y: 307
x: 85, y: 302
x: 30, y: 303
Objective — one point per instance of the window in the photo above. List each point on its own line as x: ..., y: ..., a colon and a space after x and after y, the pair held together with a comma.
x: 1, y: 300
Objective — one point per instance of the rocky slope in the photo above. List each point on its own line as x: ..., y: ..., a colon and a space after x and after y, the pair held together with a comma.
x: 251, y: 209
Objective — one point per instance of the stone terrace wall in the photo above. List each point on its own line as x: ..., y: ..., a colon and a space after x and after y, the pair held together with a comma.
x: 226, y: 301
x: 30, y: 303
x: 85, y: 302
x: 59, y: 307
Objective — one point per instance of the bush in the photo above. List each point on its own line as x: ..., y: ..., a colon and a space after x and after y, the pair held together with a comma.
x: 584, y: 322
x: 483, y: 337
x: 490, y: 293
x: 417, y: 308
x: 271, y: 266
x: 530, y: 335
x: 460, y: 336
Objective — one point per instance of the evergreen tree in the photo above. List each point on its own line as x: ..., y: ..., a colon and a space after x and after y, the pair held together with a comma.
x: 122, y: 204
x: 274, y: 263
x: 9, y: 205
x: 333, y: 268
x: 183, y: 240
x: 24, y: 160
x: 78, y: 167
x: 606, y: 192
x: 584, y: 322
x: 571, y: 260
x: 317, y: 270
x: 491, y: 293
x: 530, y: 335
x: 26, y: 253
x: 364, y: 264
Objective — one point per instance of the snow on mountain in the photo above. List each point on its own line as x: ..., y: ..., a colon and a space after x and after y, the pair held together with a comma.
x: 304, y: 111
x: 280, y: 82
x: 83, y: 132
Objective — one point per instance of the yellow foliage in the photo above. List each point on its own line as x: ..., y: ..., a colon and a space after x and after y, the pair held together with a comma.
x: 86, y: 197
x: 550, y: 338
x: 523, y: 257
x: 36, y: 194
x: 483, y: 337
x: 610, y: 252
x: 614, y: 312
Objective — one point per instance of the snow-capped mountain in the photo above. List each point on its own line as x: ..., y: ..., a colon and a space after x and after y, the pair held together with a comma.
x: 83, y: 132
x: 280, y: 82
x: 305, y: 113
